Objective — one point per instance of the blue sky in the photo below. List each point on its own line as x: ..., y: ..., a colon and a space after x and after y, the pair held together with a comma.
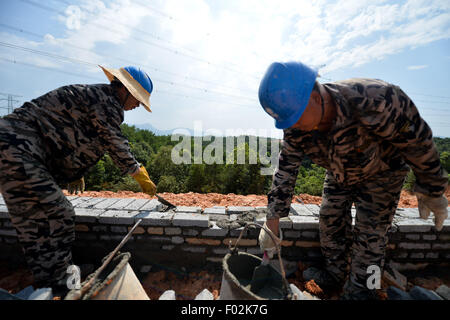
x: 206, y: 57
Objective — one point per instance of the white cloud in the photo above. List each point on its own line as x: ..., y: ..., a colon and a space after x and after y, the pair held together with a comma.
x: 229, y: 44
x: 418, y: 67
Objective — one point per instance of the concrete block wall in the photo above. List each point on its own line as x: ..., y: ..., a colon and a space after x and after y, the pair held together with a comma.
x: 191, y: 237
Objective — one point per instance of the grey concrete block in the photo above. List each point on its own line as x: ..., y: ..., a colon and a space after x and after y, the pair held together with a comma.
x: 109, y: 237
x: 415, y: 225
x: 254, y: 251
x: 408, y: 213
x: 90, y: 203
x: 118, y: 217
x: 194, y: 249
x: 409, y: 245
x: 188, y: 209
x: 417, y: 255
x: 83, y: 215
x: 121, y: 204
x: 7, y: 224
x: 4, y: 212
x: 155, y: 218
x: 100, y: 228
x: 168, y: 247
x: 292, y: 234
x: 441, y: 246
x: 430, y: 237
x: 152, y: 205
x: 286, y: 223
x: 432, y: 255
x: 238, y: 209
x: 190, y: 232
x: 414, y: 237
x: 172, y: 231
x: 214, y: 231
x: 310, y: 235
x: 106, y: 203
x: 160, y: 239
x: 119, y: 229
x: 177, y: 240
x: 221, y: 251
x: 137, y: 204
x: 190, y: 220
x: 215, y: 211
x: 305, y: 223
x: 75, y: 202
x: 298, y: 209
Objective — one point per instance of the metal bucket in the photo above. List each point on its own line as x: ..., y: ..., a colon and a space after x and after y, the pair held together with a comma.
x: 116, y: 282
x: 238, y: 269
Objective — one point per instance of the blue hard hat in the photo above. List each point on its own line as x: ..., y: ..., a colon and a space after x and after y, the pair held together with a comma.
x: 141, y: 77
x: 285, y: 90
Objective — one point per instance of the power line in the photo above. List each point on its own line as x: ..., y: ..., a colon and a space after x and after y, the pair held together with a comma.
x: 40, y: 36
x: 174, y: 51
x: 73, y: 60
x: 199, y: 98
x: 98, y: 79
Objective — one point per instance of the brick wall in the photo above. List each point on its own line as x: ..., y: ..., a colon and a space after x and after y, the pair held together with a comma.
x: 191, y: 238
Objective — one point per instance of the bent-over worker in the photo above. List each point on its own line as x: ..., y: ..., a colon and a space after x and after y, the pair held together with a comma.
x: 53, y: 140
x: 367, y: 133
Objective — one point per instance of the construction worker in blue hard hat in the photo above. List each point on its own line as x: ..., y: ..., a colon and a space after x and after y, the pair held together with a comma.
x: 53, y: 140
x: 367, y: 133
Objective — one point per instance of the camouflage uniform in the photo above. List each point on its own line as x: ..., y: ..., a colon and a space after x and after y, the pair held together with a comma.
x: 377, y: 133
x: 49, y: 141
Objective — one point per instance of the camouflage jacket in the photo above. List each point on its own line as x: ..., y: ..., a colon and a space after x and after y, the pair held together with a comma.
x: 76, y: 125
x: 377, y: 129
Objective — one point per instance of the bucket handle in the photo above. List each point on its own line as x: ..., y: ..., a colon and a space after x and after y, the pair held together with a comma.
x: 278, y: 248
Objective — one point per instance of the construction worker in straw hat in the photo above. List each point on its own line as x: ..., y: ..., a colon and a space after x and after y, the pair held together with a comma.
x: 366, y: 133
x: 53, y: 140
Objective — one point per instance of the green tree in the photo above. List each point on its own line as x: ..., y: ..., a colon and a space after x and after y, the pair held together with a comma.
x: 310, y: 181
x: 168, y: 184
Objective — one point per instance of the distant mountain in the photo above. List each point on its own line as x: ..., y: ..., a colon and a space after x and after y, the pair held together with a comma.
x: 158, y: 132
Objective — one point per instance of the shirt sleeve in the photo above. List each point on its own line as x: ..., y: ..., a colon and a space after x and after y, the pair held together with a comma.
x: 395, y: 118
x: 284, y: 178
x: 108, y: 119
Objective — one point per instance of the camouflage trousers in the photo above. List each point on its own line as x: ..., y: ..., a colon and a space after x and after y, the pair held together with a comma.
x: 39, y: 211
x: 349, y: 251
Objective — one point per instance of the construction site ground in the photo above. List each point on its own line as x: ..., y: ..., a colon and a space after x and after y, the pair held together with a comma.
x: 188, y: 284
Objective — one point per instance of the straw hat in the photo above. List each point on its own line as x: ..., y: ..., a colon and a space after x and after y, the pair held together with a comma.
x: 132, y: 85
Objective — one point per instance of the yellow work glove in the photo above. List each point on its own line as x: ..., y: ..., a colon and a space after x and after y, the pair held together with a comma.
x: 436, y: 204
x: 266, y: 243
x: 75, y: 186
x: 144, y: 181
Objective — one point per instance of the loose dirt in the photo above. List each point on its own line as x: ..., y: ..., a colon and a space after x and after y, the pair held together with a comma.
x: 208, y: 200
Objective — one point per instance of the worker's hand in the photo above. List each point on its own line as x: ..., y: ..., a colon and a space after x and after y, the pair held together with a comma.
x: 75, y: 186
x: 266, y: 242
x: 438, y: 205
x: 144, y: 181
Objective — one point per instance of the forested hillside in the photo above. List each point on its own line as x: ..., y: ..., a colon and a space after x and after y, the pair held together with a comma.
x: 155, y: 153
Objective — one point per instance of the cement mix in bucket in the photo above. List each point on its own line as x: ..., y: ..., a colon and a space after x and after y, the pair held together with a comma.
x: 238, y: 273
